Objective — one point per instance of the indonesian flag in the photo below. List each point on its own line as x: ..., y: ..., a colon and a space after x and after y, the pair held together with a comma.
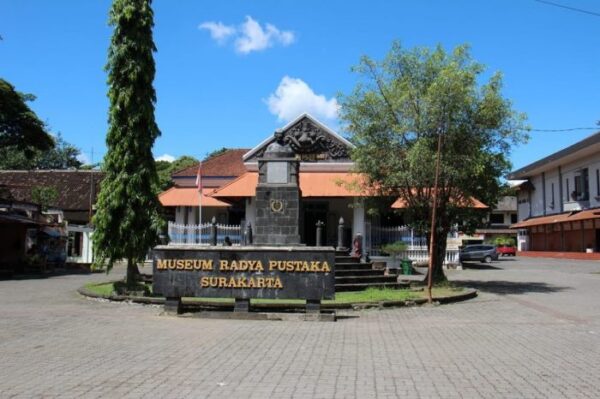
x: 199, y: 177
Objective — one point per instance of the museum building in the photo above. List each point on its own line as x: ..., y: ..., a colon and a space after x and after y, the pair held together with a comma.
x: 329, y: 188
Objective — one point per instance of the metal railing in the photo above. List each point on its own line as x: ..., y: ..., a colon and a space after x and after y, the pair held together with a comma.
x: 416, y: 250
x: 421, y: 255
x: 380, y: 235
x: 200, y: 234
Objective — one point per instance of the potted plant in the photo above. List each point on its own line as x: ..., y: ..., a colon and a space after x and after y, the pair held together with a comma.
x: 394, y: 249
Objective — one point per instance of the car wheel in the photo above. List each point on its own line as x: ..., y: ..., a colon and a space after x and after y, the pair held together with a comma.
x: 487, y: 259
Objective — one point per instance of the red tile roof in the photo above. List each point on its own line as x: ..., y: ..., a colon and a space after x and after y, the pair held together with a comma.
x: 229, y: 163
x: 179, y: 196
x: 470, y: 203
x: 73, y: 186
x: 312, y: 184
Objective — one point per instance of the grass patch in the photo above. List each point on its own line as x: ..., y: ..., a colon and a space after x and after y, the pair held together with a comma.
x: 105, y: 289
x: 374, y: 295
x: 368, y: 295
x: 119, y: 288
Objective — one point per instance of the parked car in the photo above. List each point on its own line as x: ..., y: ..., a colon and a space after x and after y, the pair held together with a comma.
x: 505, y: 250
x: 478, y: 253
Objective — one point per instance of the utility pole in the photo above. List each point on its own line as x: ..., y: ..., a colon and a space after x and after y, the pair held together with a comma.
x: 91, y: 185
x: 433, y: 221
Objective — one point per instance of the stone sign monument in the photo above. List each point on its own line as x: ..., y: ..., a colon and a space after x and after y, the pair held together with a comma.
x: 276, y: 266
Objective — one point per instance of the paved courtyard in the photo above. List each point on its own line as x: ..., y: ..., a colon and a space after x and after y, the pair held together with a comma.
x: 533, y: 332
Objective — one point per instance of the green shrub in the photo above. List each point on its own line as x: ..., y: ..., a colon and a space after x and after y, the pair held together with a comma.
x: 394, y: 249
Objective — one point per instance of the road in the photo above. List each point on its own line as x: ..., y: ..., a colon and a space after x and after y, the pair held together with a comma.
x: 533, y: 332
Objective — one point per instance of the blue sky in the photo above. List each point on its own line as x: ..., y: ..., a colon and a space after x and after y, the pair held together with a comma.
x: 230, y: 72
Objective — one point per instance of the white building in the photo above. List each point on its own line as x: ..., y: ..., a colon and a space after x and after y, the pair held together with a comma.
x: 558, y: 202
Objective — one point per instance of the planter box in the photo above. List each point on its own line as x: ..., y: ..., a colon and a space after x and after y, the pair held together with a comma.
x: 389, y: 261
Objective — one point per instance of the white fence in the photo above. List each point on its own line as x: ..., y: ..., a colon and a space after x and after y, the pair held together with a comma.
x: 421, y: 255
x: 200, y: 233
x: 379, y: 235
x: 417, y: 249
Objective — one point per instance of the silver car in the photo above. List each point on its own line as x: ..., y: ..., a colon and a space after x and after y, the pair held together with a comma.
x: 480, y: 253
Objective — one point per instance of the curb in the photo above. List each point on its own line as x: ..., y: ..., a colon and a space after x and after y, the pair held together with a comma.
x: 469, y: 293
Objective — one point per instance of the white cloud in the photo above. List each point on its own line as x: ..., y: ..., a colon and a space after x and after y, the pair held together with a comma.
x: 83, y: 158
x: 250, y: 35
x: 256, y: 38
x: 166, y: 157
x: 218, y: 31
x: 293, y: 97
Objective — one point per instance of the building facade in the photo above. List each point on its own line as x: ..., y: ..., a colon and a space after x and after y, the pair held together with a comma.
x: 332, y: 193
x: 76, y: 192
x: 329, y: 188
x: 558, y: 200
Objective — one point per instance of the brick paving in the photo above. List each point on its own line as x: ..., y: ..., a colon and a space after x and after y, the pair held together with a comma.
x: 534, y: 332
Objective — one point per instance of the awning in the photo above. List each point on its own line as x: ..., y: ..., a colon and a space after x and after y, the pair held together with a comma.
x: 563, y: 217
x: 312, y: 184
x: 585, y: 215
x: 188, y: 196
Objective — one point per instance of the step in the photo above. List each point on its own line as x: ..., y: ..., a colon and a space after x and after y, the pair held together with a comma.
x: 363, y: 286
x: 346, y: 259
x: 364, y: 279
x: 412, y: 277
x: 358, y: 272
x: 346, y: 266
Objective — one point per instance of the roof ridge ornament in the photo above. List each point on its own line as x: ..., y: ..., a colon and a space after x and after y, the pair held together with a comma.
x: 305, y: 137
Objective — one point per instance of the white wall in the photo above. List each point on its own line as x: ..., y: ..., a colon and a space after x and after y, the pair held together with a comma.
x: 523, y: 205
x: 568, y: 171
x: 537, y: 204
x: 552, y: 182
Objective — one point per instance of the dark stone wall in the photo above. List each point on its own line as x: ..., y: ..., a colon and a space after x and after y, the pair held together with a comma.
x: 274, y: 227
x: 186, y: 281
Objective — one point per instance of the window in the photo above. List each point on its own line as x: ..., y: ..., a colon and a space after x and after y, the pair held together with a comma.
x: 598, y: 182
x: 582, y: 189
x: 513, y: 218
x: 497, y: 218
x: 568, y: 191
x: 552, y: 198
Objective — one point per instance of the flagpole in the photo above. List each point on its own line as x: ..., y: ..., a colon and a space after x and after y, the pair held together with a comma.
x: 199, y: 186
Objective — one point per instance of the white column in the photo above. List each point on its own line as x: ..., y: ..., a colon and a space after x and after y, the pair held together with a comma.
x: 192, y: 219
x: 179, y: 214
x: 358, y: 219
x: 250, y: 212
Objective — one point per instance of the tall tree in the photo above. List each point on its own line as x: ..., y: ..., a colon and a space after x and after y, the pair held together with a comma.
x: 127, y: 221
x: 397, y: 113
x: 62, y: 155
x: 165, y: 169
x: 19, y: 125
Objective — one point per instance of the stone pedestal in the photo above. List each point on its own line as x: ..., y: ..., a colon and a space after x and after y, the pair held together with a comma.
x: 277, y: 196
x: 277, y: 215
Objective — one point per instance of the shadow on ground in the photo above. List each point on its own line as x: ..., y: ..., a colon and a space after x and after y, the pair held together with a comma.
x: 39, y: 276
x: 480, y: 266
x: 510, y: 287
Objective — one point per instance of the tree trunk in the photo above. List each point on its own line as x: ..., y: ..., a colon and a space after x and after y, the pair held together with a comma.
x: 132, y: 273
x: 441, y: 236
x: 439, y: 254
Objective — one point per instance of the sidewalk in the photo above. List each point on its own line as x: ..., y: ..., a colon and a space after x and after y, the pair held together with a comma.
x: 560, y: 255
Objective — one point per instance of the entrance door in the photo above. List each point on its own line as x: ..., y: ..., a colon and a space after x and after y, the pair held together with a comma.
x: 597, y: 240
x: 313, y: 212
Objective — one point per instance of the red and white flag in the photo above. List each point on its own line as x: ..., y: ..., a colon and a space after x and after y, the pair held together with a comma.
x: 199, y: 177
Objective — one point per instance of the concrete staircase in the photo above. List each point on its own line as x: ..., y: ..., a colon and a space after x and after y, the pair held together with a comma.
x: 353, y: 275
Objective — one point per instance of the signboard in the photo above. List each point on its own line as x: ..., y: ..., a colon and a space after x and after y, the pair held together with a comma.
x: 244, y: 272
